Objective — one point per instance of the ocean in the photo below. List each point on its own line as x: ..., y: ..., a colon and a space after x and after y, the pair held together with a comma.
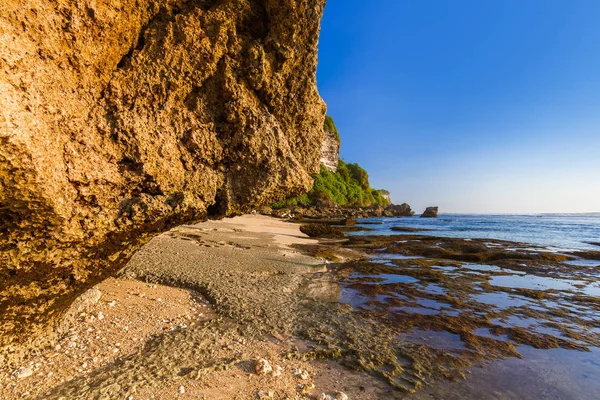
x: 558, y: 232
x: 470, y: 309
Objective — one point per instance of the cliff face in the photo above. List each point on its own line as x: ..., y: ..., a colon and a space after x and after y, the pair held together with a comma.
x: 330, y: 148
x: 121, y: 119
x: 386, y: 195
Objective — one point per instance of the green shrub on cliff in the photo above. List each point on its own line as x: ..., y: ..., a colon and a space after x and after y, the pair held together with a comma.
x: 330, y: 126
x: 348, y: 186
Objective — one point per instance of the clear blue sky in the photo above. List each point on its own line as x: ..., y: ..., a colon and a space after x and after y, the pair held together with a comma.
x: 474, y: 106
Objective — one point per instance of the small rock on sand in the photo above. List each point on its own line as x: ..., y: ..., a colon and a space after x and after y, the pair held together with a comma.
x: 263, y: 367
x: 304, y: 375
x: 341, y: 396
x: 324, y: 396
x: 181, y: 390
x: 276, y: 371
x: 23, y: 372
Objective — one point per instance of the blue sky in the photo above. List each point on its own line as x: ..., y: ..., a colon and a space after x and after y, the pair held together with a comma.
x: 474, y: 106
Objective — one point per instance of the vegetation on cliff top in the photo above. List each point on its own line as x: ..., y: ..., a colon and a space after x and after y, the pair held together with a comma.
x: 348, y: 186
x: 330, y: 126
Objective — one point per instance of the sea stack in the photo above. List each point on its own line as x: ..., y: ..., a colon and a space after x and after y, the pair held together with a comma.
x: 395, y: 210
x: 430, y: 212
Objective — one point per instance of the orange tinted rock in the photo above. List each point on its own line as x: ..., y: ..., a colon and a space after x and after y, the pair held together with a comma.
x: 122, y: 119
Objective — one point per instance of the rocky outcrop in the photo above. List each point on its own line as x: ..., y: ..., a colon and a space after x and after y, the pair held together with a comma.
x: 330, y: 148
x: 430, y: 212
x: 119, y: 120
x: 402, y: 210
x: 346, y: 213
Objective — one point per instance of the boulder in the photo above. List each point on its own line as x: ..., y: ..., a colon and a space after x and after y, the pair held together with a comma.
x: 123, y: 119
x: 430, y: 212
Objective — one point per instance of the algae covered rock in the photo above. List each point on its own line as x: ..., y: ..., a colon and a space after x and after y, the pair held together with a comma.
x: 321, y: 231
x: 122, y: 119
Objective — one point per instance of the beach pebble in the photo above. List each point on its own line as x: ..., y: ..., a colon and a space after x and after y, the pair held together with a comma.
x: 276, y: 371
x: 265, y: 395
x: 181, y: 390
x: 100, y: 316
x: 263, y: 367
x: 341, y: 396
x: 23, y: 372
x: 305, y: 388
x: 324, y: 396
x: 303, y: 374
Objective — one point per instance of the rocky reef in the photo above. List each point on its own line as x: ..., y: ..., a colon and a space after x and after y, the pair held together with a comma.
x: 122, y: 119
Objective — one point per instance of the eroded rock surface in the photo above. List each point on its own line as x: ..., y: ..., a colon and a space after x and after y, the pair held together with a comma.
x: 395, y: 210
x: 430, y: 212
x: 121, y: 119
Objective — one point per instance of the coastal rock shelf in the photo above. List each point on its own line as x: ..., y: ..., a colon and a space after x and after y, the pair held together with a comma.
x: 122, y: 119
x: 428, y: 308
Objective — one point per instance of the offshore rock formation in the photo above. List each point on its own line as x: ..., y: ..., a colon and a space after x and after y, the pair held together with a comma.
x: 119, y: 120
x: 430, y: 212
x: 330, y: 148
x: 395, y: 210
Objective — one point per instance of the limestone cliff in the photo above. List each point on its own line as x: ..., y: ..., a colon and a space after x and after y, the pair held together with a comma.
x: 386, y: 195
x: 330, y: 148
x: 120, y: 119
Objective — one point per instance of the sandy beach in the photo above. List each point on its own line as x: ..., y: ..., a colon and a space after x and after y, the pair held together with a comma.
x: 251, y: 308
x: 189, y: 317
